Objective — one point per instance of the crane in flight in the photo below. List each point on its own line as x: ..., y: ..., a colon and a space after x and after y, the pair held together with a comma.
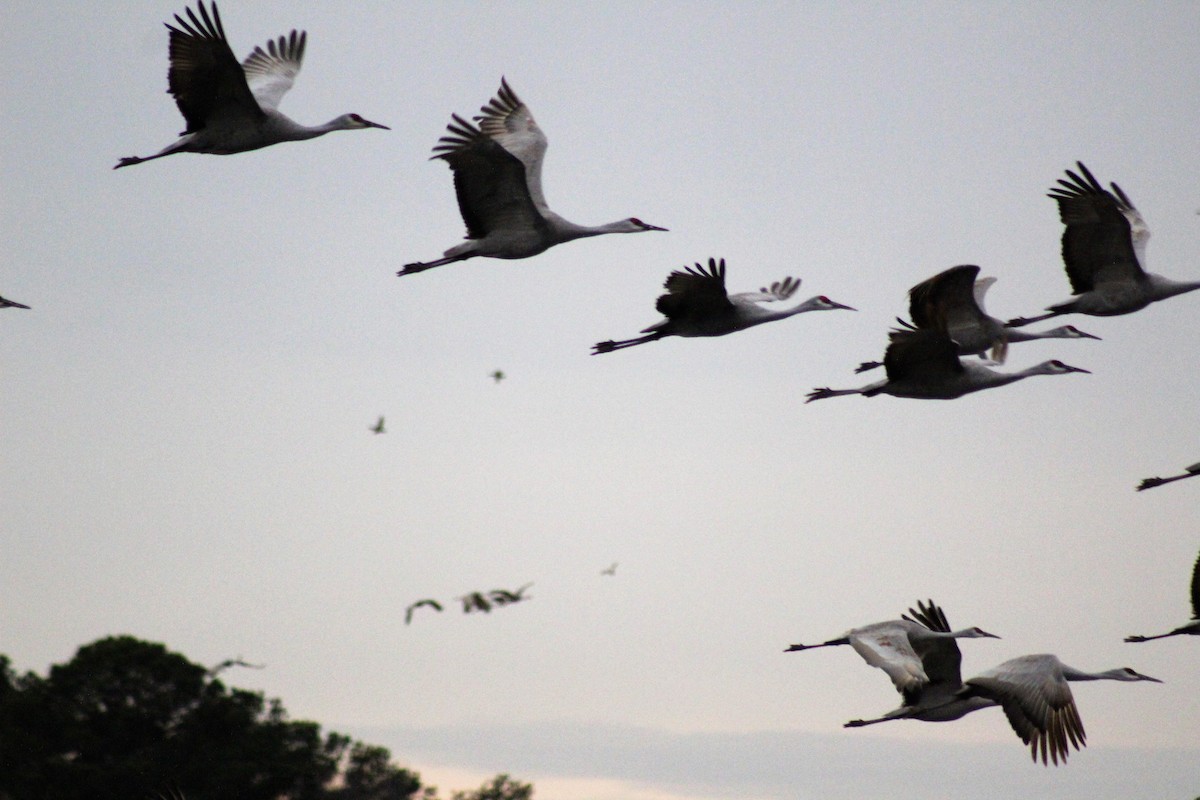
x: 426, y: 603
x: 1150, y: 483
x: 1190, y: 629
x: 696, y: 304
x: 934, y: 700
x: 1036, y: 697
x: 377, y: 428
x: 924, y: 364
x: 1104, y: 252
x: 497, y: 170
x: 953, y: 301
x: 897, y: 647
x: 231, y: 107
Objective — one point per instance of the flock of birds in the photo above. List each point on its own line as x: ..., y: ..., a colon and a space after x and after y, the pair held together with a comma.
x: 496, y: 161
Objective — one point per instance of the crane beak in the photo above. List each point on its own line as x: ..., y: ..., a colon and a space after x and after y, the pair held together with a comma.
x: 650, y: 227
x: 368, y: 124
x: 839, y: 305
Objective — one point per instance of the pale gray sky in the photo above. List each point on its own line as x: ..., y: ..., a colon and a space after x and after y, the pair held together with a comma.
x: 184, y: 412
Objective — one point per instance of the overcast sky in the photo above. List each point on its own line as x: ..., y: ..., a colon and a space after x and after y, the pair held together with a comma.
x: 184, y: 412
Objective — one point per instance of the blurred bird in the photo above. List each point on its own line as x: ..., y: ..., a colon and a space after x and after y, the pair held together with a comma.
x: 377, y: 428
x: 475, y: 601
x: 610, y: 570
x: 1190, y: 629
x: 696, y: 304
x: 1150, y: 483
x: 1037, y: 700
x: 498, y: 181
x: 935, y: 699
x: 953, y: 302
x: 408, y: 612
x: 231, y: 107
x: 1104, y: 251
x: 11, y: 304
x: 897, y: 647
x: 924, y: 364
x: 497, y: 376
x: 233, y: 662
x: 503, y: 597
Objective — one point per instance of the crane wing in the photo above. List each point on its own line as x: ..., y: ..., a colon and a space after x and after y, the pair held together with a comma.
x: 886, y: 646
x: 1038, y: 703
x: 507, y: 121
x: 488, y: 180
x: 1196, y: 590
x: 695, y: 293
x: 925, y: 355
x: 204, y: 76
x: 1105, y: 237
x: 271, y: 73
x: 947, y: 300
x: 940, y: 658
x: 779, y: 290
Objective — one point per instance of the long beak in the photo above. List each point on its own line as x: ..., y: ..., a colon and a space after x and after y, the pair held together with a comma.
x: 1086, y: 335
x: 839, y: 305
x: 370, y: 124
x: 654, y: 227
x: 1079, y: 369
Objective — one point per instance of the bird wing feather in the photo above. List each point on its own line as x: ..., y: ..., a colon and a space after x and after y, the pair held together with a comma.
x: 270, y: 73
x: 778, y: 290
x: 1196, y: 589
x: 490, y: 182
x: 946, y: 300
x: 695, y: 293
x: 507, y: 121
x: 940, y: 658
x: 924, y: 355
x: 204, y: 76
x: 1105, y: 236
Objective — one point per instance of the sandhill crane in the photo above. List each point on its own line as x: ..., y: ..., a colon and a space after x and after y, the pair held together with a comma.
x: 233, y: 662
x: 1037, y: 700
x: 4, y: 303
x: 475, y: 601
x: 498, y: 180
x: 610, y: 570
x: 896, y: 647
x: 1104, y: 251
x: 497, y: 376
x: 934, y: 701
x: 377, y: 428
x: 924, y: 365
x: 1150, y: 483
x: 696, y: 304
x: 426, y: 603
x: 503, y: 597
x: 953, y: 301
x: 1193, y: 627
x: 231, y: 107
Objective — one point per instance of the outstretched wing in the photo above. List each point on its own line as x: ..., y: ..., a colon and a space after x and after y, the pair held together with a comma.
x: 925, y: 355
x: 271, y: 73
x: 507, y: 121
x: 779, y: 290
x: 489, y: 181
x: 1196, y: 590
x: 886, y: 645
x: 1105, y: 238
x: 695, y: 293
x: 941, y: 658
x: 204, y: 76
x: 947, y: 300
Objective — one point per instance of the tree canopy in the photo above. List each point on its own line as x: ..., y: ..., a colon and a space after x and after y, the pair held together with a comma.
x: 130, y: 719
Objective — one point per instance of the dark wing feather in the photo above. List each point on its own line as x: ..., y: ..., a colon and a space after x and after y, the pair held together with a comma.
x: 204, y: 76
x: 1196, y: 589
x: 695, y: 293
x: 913, y: 354
x: 931, y: 302
x: 940, y: 658
x: 488, y: 180
x: 1098, y: 240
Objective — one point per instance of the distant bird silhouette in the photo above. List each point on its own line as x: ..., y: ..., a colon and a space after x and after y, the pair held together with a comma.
x: 953, y: 301
x: 1150, y: 483
x: 11, y: 304
x: 612, y: 570
x: 934, y: 700
x: 231, y: 107
x: 1193, y: 627
x: 503, y: 597
x: 408, y: 612
x: 498, y: 181
x: 233, y: 662
x: 497, y: 376
x: 1037, y: 700
x: 475, y: 601
x: 924, y: 365
x: 377, y: 428
x: 1104, y: 251
x: 896, y: 647
x: 696, y: 304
